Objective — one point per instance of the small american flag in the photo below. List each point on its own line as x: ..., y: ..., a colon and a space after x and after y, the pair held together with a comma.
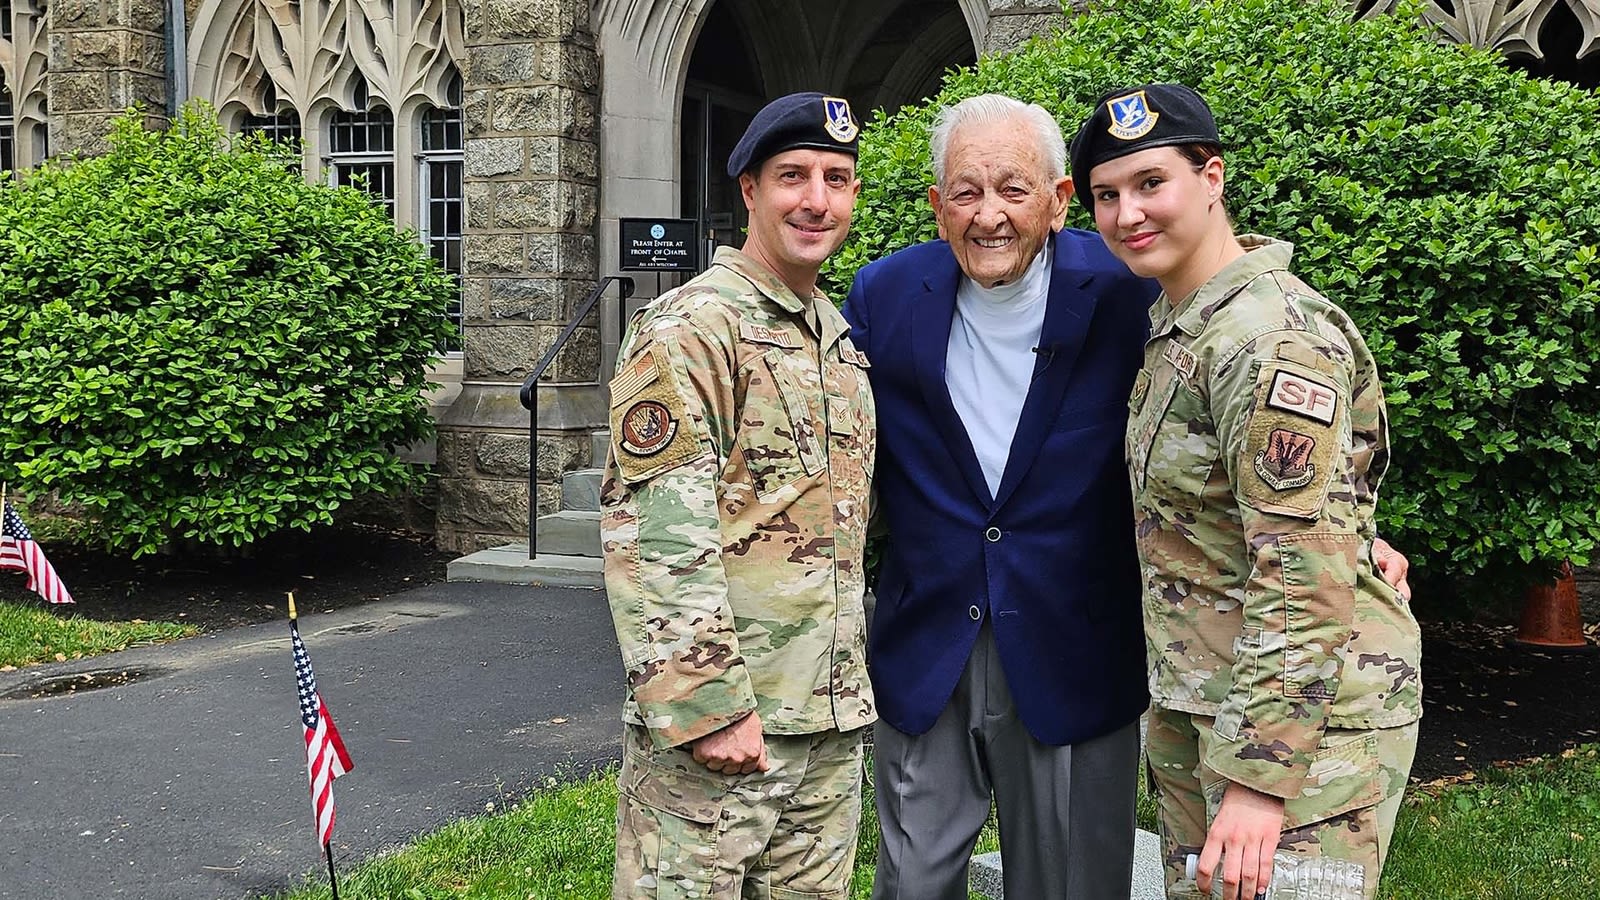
x: 326, y: 758
x: 19, y: 551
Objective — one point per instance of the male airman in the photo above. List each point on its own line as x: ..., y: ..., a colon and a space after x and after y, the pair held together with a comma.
x: 734, y: 520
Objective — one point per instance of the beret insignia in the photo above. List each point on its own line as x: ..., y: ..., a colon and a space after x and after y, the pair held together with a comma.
x: 1131, y: 116
x: 838, y: 122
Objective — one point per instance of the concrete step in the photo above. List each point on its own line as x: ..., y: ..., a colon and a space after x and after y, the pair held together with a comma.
x: 599, y: 443
x: 571, y: 532
x: 580, y: 490
x: 510, y: 565
x: 984, y: 876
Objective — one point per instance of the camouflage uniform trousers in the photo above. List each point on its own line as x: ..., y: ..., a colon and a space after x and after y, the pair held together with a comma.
x: 1346, y: 809
x: 684, y: 831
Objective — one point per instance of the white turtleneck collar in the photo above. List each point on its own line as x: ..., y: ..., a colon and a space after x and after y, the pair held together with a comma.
x: 989, y: 362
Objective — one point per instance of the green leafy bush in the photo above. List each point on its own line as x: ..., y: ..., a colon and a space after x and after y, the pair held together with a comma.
x: 199, y: 346
x: 1449, y: 204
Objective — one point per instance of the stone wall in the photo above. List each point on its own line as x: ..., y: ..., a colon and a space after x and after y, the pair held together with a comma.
x: 105, y: 56
x: 532, y: 111
x: 1012, y: 22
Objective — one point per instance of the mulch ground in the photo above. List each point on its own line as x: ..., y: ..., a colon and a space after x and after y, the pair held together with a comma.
x: 1487, y: 699
x: 329, y: 568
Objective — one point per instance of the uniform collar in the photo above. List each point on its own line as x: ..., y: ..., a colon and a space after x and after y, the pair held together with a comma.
x: 833, y: 325
x: 1262, y: 255
x: 757, y: 274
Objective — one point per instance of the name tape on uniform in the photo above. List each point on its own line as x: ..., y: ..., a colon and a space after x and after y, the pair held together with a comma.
x: 762, y: 334
x: 1181, y: 358
x: 1302, y: 396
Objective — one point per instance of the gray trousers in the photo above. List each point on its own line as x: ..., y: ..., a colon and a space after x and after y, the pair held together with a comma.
x: 1065, y: 813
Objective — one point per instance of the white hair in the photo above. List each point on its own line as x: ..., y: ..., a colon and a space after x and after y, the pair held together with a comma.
x: 991, y: 108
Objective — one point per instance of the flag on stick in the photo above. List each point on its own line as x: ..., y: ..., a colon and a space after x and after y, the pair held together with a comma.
x: 20, y: 552
x: 326, y: 758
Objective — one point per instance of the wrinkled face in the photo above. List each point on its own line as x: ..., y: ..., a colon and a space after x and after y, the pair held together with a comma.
x: 998, y: 203
x: 799, y: 203
x: 1157, y: 214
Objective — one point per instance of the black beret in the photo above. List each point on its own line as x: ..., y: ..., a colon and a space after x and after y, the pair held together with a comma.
x: 1134, y: 119
x: 807, y: 120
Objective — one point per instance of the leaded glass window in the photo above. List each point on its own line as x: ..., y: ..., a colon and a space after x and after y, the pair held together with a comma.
x: 361, y: 143
x: 442, y: 209
x: 281, y: 124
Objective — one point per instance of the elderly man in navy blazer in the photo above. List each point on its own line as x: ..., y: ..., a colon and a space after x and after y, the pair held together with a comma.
x: 1006, y: 649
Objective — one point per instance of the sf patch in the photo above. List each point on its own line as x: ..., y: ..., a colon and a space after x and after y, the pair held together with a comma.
x: 650, y: 423
x: 647, y: 428
x: 1292, y: 392
x: 1292, y: 443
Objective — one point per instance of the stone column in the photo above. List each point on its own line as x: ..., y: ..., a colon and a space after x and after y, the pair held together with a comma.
x: 1012, y: 22
x: 531, y: 181
x: 105, y: 56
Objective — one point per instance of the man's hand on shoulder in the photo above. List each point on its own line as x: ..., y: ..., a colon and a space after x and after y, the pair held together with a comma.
x: 736, y: 749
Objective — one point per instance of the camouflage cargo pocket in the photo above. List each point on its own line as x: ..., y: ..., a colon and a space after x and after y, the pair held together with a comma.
x: 668, y: 831
x: 1345, y: 776
x: 1319, y: 592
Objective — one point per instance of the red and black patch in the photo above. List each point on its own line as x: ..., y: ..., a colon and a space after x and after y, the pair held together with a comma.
x: 647, y: 428
x: 1286, y: 463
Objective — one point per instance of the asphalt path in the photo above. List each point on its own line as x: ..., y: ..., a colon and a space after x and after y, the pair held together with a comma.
x: 189, y: 780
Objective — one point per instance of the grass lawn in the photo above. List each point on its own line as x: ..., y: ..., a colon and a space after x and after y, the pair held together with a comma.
x: 30, y: 633
x: 1526, y: 833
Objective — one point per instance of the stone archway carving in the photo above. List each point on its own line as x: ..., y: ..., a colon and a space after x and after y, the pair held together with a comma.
x: 24, y: 61
x: 1510, y: 26
x: 313, y: 50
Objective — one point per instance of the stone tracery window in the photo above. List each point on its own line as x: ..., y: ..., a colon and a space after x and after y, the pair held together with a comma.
x: 361, y: 147
x: 23, y: 64
x: 280, y: 124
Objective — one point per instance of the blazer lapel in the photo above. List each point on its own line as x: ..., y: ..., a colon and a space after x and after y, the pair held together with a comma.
x: 930, y: 331
x: 1068, y: 312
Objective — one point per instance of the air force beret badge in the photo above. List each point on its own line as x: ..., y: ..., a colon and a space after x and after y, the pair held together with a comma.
x: 1131, y: 116
x: 839, y: 124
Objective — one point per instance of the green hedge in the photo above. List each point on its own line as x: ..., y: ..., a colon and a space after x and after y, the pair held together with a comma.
x: 1449, y: 204
x: 197, y: 345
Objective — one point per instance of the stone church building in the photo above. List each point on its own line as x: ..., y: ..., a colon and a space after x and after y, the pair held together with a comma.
x: 512, y: 135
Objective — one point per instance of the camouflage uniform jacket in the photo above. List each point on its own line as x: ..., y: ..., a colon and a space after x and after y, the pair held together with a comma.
x: 1256, y: 442
x: 734, y: 509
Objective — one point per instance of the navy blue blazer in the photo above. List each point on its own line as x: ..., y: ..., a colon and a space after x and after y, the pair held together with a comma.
x: 1050, y: 561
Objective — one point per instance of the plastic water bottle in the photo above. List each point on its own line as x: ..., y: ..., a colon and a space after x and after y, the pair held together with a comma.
x: 1299, y: 878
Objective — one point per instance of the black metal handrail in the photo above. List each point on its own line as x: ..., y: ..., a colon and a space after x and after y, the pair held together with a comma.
x: 529, y: 394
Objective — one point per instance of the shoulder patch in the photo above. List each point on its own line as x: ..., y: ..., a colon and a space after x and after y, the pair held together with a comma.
x: 648, y: 427
x: 635, y: 377
x: 1292, y: 446
x: 651, y: 428
x: 762, y: 334
x: 1298, y: 394
x: 853, y: 356
x: 1285, y: 463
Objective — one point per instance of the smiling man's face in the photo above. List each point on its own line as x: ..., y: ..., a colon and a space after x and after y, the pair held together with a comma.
x: 998, y: 203
x: 799, y: 203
